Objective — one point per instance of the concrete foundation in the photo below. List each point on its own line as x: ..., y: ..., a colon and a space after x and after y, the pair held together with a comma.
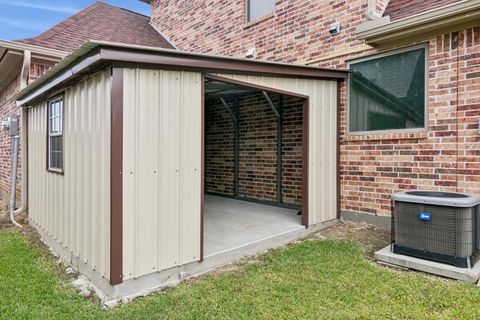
x: 469, y: 275
x: 381, y: 222
x: 232, y: 223
x: 234, y: 229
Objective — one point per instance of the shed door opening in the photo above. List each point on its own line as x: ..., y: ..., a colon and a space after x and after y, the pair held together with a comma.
x: 253, y: 164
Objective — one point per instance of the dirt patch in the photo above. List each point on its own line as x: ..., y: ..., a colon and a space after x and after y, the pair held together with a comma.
x: 368, y: 237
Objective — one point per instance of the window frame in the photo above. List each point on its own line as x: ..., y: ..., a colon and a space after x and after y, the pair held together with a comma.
x: 424, y: 46
x: 50, y: 135
x: 247, y: 12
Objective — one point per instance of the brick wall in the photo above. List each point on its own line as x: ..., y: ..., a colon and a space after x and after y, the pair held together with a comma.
x: 446, y: 157
x: 219, y: 149
x: 297, y: 32
x: 8, y: 108
x: 374, y: 166
x: 292, y: 156
x: 258, y: 149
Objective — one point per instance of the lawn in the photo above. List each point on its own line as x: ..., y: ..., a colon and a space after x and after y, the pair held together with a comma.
x: 315, y: 279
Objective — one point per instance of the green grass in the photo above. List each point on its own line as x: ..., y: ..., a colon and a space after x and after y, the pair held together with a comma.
x: 322, y: 279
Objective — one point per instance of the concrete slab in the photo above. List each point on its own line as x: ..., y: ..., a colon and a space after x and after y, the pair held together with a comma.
x: 469, y: 275
x: 233, y: 223
x: 234, y: 229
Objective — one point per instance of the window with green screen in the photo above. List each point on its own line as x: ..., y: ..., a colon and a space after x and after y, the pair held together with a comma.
x: 388, y: 92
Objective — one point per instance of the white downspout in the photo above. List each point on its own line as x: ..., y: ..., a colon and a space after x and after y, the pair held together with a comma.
x: 27, y: 58
x: 24, y: 164
x: 13, y: 184
x: 372, y: 13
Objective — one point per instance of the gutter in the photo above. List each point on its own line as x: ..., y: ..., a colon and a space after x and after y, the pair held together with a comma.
x: 32, y: 48
x: 94, y: 53
x: 381, y: 31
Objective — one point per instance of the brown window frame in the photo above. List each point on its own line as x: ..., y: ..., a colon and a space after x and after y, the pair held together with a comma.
x: 60, y: 133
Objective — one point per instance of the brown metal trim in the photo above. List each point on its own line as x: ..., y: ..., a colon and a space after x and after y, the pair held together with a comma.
x: 202, y: 173
x: 136, y: 56
x: 338, y: 152
x: 207, y: 63
x: 255, y: 86
x: 305, y: 133
x: 305, y: 171
x: 116, y: 179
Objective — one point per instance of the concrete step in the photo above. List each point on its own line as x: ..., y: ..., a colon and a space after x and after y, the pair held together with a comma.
x: 469, y: 275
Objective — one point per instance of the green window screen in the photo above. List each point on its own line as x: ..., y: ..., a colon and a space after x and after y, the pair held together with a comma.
x: 388, y: 93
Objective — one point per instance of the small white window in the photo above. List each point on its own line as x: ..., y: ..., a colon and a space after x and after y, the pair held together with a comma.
x: 259, y: 8
x: 55, y: 134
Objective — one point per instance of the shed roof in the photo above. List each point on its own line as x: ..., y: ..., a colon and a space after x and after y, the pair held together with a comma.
x: 96, y: 54
x: 100, y: 21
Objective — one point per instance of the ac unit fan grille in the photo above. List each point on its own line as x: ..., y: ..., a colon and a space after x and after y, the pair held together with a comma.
x: 450, y: 232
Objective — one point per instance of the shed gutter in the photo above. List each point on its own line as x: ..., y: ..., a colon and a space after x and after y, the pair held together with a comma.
x: 459, y: 15
x: 94, y: 53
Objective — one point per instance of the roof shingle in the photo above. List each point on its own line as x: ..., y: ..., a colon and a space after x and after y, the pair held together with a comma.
x: 100, y: 21
x: 399, y: 9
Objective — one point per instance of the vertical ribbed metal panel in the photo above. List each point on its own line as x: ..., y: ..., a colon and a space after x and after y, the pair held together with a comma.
x: 322, y: 139
x: 74, y: 208
x: 162, y: 170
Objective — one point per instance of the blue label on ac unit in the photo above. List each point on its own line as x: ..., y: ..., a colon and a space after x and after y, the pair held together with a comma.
x: 424, y: 216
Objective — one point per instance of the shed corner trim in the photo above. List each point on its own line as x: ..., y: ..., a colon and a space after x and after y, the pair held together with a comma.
x: 116, y: 178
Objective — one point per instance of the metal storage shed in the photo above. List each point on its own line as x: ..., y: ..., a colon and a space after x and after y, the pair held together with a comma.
x: 128, y: 210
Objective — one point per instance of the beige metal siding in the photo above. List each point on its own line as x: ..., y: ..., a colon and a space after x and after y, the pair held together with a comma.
x: 74, y: 208
x: 322, y: 139
x: 162, y: 170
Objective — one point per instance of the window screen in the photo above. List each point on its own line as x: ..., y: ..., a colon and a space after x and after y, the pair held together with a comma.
x: 259, y: 8
x: 55, y: 134
x: 388, y: 92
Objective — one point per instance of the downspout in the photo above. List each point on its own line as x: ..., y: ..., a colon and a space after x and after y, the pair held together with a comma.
x: 13, y: 184
x: 27, y: 57
x: 372, y: 13
x: 24, y: 164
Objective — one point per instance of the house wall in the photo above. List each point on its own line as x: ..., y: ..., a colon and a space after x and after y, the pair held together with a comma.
x: 8, y: 108
x: 372, y: 166
x: 257, y: 149
x: 322, y: 163
x: 445, y: 157
x: 162, y: 162
x: 74, y: 208
x: 219, y: 149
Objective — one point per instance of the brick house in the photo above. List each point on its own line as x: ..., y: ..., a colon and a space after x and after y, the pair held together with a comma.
x: 421, y: 57
x: 23, y: 61
x: 149, y: 193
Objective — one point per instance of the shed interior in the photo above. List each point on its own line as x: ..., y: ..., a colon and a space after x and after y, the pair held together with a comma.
x: 253, y: 164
